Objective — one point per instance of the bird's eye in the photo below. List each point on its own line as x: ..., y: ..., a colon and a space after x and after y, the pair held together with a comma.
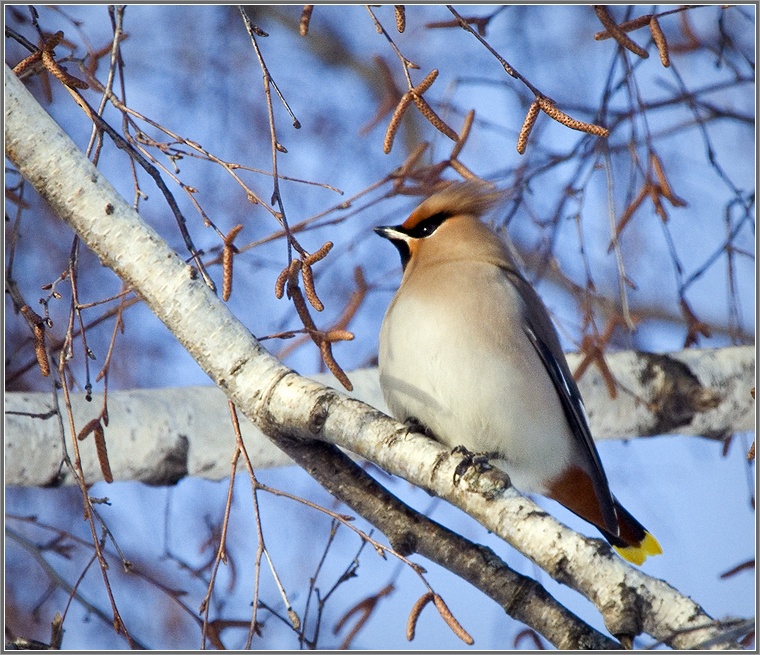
x: 426, y: 227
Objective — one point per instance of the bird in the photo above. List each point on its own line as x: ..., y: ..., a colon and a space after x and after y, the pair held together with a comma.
x: 468, y: 351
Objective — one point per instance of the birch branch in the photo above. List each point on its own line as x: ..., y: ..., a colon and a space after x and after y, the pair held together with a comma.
x: 158, y: 436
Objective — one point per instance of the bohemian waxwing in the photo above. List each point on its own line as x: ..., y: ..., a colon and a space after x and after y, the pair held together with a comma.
x: 467, y: 349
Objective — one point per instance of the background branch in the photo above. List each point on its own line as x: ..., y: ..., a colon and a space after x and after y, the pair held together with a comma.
x: 159, y: 436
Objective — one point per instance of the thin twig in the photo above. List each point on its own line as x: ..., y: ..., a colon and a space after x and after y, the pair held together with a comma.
x: 122, y: 144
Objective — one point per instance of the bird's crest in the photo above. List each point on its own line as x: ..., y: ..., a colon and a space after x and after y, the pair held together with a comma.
x: 471, y: 197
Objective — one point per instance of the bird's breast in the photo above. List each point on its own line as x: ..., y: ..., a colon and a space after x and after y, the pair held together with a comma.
x: 453, y: 355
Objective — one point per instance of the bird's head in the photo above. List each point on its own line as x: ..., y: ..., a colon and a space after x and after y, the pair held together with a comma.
x: 447, y: 226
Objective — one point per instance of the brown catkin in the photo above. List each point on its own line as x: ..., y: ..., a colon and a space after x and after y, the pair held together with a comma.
x: 395, y: 122
x: 400, y: 12
x: 39, y: 349
x: 448, y: 617
x: 227, y: 254
x: 464, y: 134
x: 27, y: 62
x: 279, y: 285
x: 53, y: 41
x: 55, y: 69
x: 309, y: 290
x: 660, y: 41
x: 628, y: 26
x: 37, y: 324
x: 339, y: 335
x: 100, y: 448
x: 426, y: 83
x: 628, y: 214
x: 228, y: 251
x: 550, y: 109
x: 530, y: 120
x: 89, y: 428
x: 460, y: 168
x: 435, y: 120
x: 665, y: 187
x: 411, y: 622
x: 303, y: 26
x: 654, y: 193
x: 319, y: 255
x: 335, y: 369
x: 618, y: 34
x: 232, y: 234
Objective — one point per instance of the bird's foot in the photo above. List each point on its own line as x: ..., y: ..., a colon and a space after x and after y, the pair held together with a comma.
x: 415, y: 425
x: 470, y: 459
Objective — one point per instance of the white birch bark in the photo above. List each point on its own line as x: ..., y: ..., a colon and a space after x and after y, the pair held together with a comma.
x: 160, y: 435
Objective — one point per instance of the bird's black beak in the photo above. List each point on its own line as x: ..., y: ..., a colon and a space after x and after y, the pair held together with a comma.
x: 391, y: 233
x: 398, y: 239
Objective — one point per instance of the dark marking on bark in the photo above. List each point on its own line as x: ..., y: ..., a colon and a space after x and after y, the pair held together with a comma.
x: 676, y: 394
x: 320, y: 411
x: 173, y: 467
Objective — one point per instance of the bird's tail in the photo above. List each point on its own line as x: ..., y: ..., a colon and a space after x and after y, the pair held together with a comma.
x: 634, y: 543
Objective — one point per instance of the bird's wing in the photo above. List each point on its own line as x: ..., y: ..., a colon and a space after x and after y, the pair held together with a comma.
x: 540, y: 331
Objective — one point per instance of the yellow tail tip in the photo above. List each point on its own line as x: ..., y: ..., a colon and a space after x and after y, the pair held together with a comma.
x: 637, y: 554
